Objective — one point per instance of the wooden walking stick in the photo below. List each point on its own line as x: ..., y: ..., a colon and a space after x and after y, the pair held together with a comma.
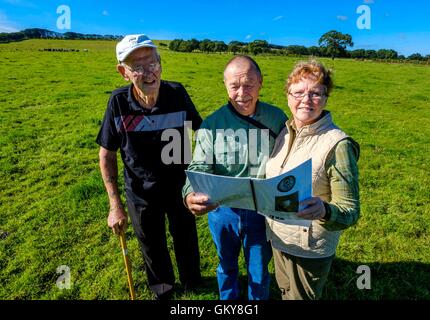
x: 127, y: 265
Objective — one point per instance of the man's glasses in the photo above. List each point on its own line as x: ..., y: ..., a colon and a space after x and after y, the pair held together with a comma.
x: 141, y: 69
x: 314, y: 96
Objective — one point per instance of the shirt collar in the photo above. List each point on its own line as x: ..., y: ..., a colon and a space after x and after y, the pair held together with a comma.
x: 257, y: 112
x: 136, y: 106
x: 320, y: 125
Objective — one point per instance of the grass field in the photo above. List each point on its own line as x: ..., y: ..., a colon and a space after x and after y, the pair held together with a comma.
x: 53, y: 206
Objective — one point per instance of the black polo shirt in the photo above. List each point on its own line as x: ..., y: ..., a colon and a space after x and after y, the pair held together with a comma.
x: 137, y: 132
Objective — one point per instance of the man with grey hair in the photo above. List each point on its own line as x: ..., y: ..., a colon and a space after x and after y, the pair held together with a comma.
x: 236, y: 140
x: 134, y: 122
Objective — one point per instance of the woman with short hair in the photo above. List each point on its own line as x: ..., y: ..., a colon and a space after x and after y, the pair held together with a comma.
x: 304, y: 249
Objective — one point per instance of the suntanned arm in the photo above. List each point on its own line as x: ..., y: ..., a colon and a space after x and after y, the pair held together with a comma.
x: 117, y: 219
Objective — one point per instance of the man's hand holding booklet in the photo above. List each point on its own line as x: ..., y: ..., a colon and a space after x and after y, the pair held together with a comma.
x: 275, y: 197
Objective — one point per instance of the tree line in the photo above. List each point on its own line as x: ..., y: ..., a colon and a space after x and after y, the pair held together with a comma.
x: 331, y: 44
x: 36, y: 33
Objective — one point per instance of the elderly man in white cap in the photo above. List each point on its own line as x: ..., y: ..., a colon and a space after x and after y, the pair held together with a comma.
x: 134, y: 122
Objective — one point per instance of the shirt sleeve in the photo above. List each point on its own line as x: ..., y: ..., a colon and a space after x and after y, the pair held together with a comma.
x: 203, y: 158
x: 344, y: 208
x: 108, y: 136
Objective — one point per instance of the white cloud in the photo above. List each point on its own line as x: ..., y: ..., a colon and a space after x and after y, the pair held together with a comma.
x: 249, y: 36
x: 105, y: 13
x: 21, y: 3
x: 6, y: 28
x: 6, y: 25
x: 278, y: 18
x: 343, y: 18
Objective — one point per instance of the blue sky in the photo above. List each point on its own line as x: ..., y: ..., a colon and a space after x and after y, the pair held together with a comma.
x: 400, y: 25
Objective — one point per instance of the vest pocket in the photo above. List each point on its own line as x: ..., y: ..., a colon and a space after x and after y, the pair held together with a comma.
x: 292, y: 234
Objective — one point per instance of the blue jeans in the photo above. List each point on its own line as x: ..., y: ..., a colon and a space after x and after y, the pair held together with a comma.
x: 232, y: 229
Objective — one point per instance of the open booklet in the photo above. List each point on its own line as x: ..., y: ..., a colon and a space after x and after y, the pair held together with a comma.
x: 275, y: 197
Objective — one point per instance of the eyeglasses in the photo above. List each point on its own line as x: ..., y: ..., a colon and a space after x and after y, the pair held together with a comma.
x: 141, y: 69
x: 314, y: 96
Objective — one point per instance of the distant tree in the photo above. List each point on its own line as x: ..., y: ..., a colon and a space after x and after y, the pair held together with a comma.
x: 358, y: 54
x: 235, y: 46
x: 335, y: 43
x: 276, y: 51
x: 194, y: 44
x: 204, y: 45
x: 185, y: 46
x: 210, y: 46
x: 297, y: 50
x: 14, y: 36
x: 323, y: 52
x: 37, y: 33
x: 174, y: 44
x: 219, y: 46
x: 416, y: 56
x: 392, y: 54
x: 253, y: 49
x: 314, y: 51
x: 386, y: 54
x: 258, y: 46
x: 371, y: 54
x: 381, y: 53
x: 261, y: 43
x: 244, y: 49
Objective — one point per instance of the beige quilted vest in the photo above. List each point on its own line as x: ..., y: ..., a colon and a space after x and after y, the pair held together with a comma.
x: 305, y: 238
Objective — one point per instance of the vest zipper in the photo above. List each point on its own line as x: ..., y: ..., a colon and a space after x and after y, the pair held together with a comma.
x: 289, y: 151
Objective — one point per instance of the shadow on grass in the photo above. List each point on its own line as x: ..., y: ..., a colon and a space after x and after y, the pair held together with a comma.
x: 388, y: 281
x: 209, y: 290
x: 395, y: 280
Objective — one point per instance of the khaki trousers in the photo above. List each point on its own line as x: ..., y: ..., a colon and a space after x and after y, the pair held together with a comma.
x: 300, y: 278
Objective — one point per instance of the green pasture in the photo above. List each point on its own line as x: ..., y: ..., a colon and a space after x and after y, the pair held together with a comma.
x: 53, y: 206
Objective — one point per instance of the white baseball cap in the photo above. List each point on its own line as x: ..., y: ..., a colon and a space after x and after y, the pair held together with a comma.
x: 130, y: 43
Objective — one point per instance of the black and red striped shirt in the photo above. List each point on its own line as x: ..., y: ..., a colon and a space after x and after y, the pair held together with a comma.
x: 137, y: 133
